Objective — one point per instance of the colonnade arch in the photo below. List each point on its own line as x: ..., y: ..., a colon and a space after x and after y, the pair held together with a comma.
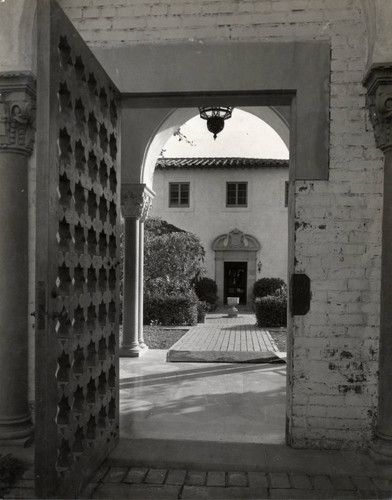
x: 133, y: 342
x: 277, y: 119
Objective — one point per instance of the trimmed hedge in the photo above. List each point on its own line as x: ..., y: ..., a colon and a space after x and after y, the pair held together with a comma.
x: 268, y: 286
x: 206, y: 290
x: 162, y: 309
x: 271, y: 310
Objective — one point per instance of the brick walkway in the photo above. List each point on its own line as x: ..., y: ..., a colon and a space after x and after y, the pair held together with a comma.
x: 224, y: 339
x: 160, y: 484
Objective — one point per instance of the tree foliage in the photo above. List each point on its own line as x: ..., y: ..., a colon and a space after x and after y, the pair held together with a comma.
x: 172, y: 263
x: 171, y: 256
x: 156, y: 227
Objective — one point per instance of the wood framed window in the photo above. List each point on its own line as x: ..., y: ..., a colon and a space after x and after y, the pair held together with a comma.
x: 236, y: 194
x: 179, y: 194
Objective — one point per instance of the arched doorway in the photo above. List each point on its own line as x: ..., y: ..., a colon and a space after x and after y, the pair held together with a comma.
x: 300, y: 82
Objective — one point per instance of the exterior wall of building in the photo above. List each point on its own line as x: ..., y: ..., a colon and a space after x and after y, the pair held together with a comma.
x: 265, y: 217
x: 333, y: 388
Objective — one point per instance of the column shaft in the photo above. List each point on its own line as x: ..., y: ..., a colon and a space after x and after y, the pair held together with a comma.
x: 378, y: 82
x: 15, y: 421
x: 384, y: 427
x: 130, y: 345
x: 141, y: 285
x: 135, y: 203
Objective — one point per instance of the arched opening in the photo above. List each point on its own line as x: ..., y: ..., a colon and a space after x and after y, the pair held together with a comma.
x: 276, y: 118
x: 231, y: 246
x: 249, y: 154
x: 298, y: 86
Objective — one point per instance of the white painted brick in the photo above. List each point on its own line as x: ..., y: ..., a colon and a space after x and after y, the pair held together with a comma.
x: 160, y: 10
x: 108, y: 12
x: 129, y: 23
x: 246, y: 7
x: 285, y: 5
x: 97, y: 24
x: 73, y: 12
x: 133, y: 11
x: 76, y: 3
x: 194, y: 9
x: 91, y: 12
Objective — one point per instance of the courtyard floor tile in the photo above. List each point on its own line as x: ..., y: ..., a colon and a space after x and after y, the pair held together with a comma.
x: 222, y: 339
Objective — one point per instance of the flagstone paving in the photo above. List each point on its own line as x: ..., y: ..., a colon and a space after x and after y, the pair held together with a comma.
x: 225, y: 340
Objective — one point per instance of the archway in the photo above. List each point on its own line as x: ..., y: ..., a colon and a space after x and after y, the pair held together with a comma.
x: 277, y: 119
x: 264, y: 216
x: 299, y: 82
x: 241, y: 248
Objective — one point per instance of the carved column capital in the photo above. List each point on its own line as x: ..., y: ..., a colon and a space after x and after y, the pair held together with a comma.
x: 136, y: 200
x: 378, y: 82
x: 17, y: 112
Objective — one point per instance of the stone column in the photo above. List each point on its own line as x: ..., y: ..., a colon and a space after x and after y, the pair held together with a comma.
x: 135, y: 203
x: 141, y: 285
x: 379, y: 101
x: 17, y: 110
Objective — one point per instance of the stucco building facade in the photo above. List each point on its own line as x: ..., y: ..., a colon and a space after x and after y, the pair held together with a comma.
x: 325, y: 64
x: 238, y: 209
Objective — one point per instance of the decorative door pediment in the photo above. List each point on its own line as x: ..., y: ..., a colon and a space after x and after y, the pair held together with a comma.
x: 236, y: 240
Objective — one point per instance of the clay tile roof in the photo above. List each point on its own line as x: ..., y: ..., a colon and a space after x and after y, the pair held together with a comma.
x: 173, y: 163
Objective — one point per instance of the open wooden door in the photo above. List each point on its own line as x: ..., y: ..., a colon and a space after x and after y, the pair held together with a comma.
x: 77, y: 273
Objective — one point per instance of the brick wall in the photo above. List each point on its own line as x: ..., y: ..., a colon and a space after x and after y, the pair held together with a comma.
x: 333, y: 388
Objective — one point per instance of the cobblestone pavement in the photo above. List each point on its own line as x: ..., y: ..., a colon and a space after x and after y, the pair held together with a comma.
x: 136, y: 483
x: 160, y: 484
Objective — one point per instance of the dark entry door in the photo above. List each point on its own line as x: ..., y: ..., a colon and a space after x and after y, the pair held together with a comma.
x: 236, y: 280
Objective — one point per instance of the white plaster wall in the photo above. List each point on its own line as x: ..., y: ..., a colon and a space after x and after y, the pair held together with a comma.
x: 332, y: 397
x: 265, y: 218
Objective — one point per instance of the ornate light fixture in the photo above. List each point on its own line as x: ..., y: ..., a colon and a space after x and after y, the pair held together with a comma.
x: 215, y: 116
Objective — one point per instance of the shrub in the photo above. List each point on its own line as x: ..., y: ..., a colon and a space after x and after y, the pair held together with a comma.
x: 269, y: 286
x: 170, y: 309
x: 166, y: 286
x: 206, y: 290
x: 271, y: 310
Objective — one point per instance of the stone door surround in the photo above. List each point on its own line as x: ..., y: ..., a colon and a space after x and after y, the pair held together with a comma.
x: 235, y: 246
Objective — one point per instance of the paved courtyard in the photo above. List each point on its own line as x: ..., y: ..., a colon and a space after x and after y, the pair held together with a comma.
x: 221, y: 402
x: 223, y: 339
x: 191, y: 430
x: 216, y: 431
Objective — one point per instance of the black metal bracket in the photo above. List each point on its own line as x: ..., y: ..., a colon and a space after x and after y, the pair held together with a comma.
x: 300, y: 294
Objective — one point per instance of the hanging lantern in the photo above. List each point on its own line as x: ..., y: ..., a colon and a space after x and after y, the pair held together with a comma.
x: 215, y: 116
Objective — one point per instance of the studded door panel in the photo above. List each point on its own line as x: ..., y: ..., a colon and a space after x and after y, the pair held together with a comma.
x: 77, y: 260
